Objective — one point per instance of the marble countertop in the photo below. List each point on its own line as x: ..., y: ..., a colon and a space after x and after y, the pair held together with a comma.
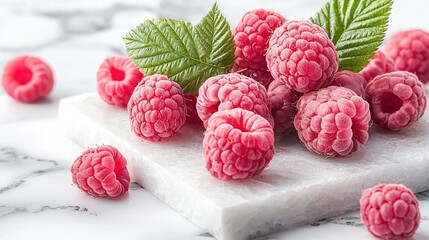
x: 37, y: 198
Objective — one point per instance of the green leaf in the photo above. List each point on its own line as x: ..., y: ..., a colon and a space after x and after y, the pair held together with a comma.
x: 356, y: 27
x: 188, y: 55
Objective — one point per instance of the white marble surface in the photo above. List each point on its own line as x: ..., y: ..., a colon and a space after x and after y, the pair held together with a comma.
x: 37, y: 198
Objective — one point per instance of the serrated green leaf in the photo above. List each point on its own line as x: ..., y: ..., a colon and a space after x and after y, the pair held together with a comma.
x: 356, y: 27
x: 187, y: 55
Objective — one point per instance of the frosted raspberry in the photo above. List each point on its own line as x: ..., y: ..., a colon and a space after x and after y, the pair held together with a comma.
x: 157, y: 108
x: 117, y: 77
x: 390, y: 211
x: 410, y: 52
x: 251, y: 37
x: 101, y: 172
x: 283, y: 103
x: 350, y: 80
x: 397, y: 99
x: 238, y: 144
x: 192, y: 114
x: 230, y: 91
x: 332, y: 121
x: 378, y: 64
x: 27, y: 79
x: 301, y: 55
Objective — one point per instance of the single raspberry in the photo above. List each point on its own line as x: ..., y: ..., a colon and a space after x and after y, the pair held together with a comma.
x: 410, y: 52
x: 27, y: 79
x: 283, y: 104
x: 352, y: 81
x: 157, y: 108
x: 333, y: 121
x: 191, y: 103
x: 251, y: 37
x: 230, y: 91
x: 397, y: 99
x: 301, y: 55
x: 390, y: 211
x: 238, y: 144
x: 101, y: 172
x: 378, y: 64
x: 116, y: 79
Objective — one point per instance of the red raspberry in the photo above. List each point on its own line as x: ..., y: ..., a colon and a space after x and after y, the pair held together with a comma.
x: 230, y: 91
x: 390, y: 211
x: 301, y: 55
x: 157, y: 108
x: 378, y: 64
x: 238, y: 144
x: 27, y: 79
x: 332, y: 121
x: 283, y: 103
x: 410, y: 52
x: 101, y: 172
x: 117, y: 77
x: 397, y: 99
x: 350, y: 80
x: 192, y: 114
x: 251, y: 37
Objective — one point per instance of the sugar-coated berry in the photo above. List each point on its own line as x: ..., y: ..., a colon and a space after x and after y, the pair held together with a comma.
x: 230, y: 91
x: 101, y: 172
x: 157, y: 108
x: 116, y: 79
x: 191, y: 103
x: 333, y: 121
x: 378, y: 64
x: 409, y: 51
x: 238, y: 144
x: 390, y: 211
x: 397, y: 99
x: 350, y: 80
x: 251, y: 36
x: 301, y: 54
x: 27, y: 79
x: 283, y: 104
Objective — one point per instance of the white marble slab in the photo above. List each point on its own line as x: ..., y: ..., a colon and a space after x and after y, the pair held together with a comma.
x: 298, y: 186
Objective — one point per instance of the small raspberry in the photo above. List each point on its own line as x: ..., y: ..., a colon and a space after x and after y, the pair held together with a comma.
x: 116, y: 79
x: 390, y: 211
x: 378, y: 64
x: 238, y: 144
x: 283, y: 103
x: 397, y: 99
x: 230, y: 91
x: 410, y: 52
x: 27, y: 79
x: 332, y: 121
x: 101, y: 172
x: 157, y: 108
x: 352, y: 81
x: 251, y: 37
x: 192, y: 114
x: 301, y: 55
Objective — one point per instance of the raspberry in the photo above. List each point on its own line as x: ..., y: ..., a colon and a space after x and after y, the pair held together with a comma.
x: 27, y: 79
x: 101, y: 172
x: 238, y: 144
x: 157, y: 108
x: 251, y: 37
x: 378, y: 64
x: 230, y: 91
x: 397, y: 99
x: 116, y: 79
x: 350, y: 80
x: 390, y: 211
x: 332, y: 121
x: 301, y: 55
x: 192, y: 114
x: 283, y: 103
x: 410, y: 52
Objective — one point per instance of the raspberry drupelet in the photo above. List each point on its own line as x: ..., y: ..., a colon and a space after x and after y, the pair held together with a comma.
x: 378, y: 64
x: 301, y: 54
x: 332, y: 121
x: 251, y: 36
x: 352, y: 81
